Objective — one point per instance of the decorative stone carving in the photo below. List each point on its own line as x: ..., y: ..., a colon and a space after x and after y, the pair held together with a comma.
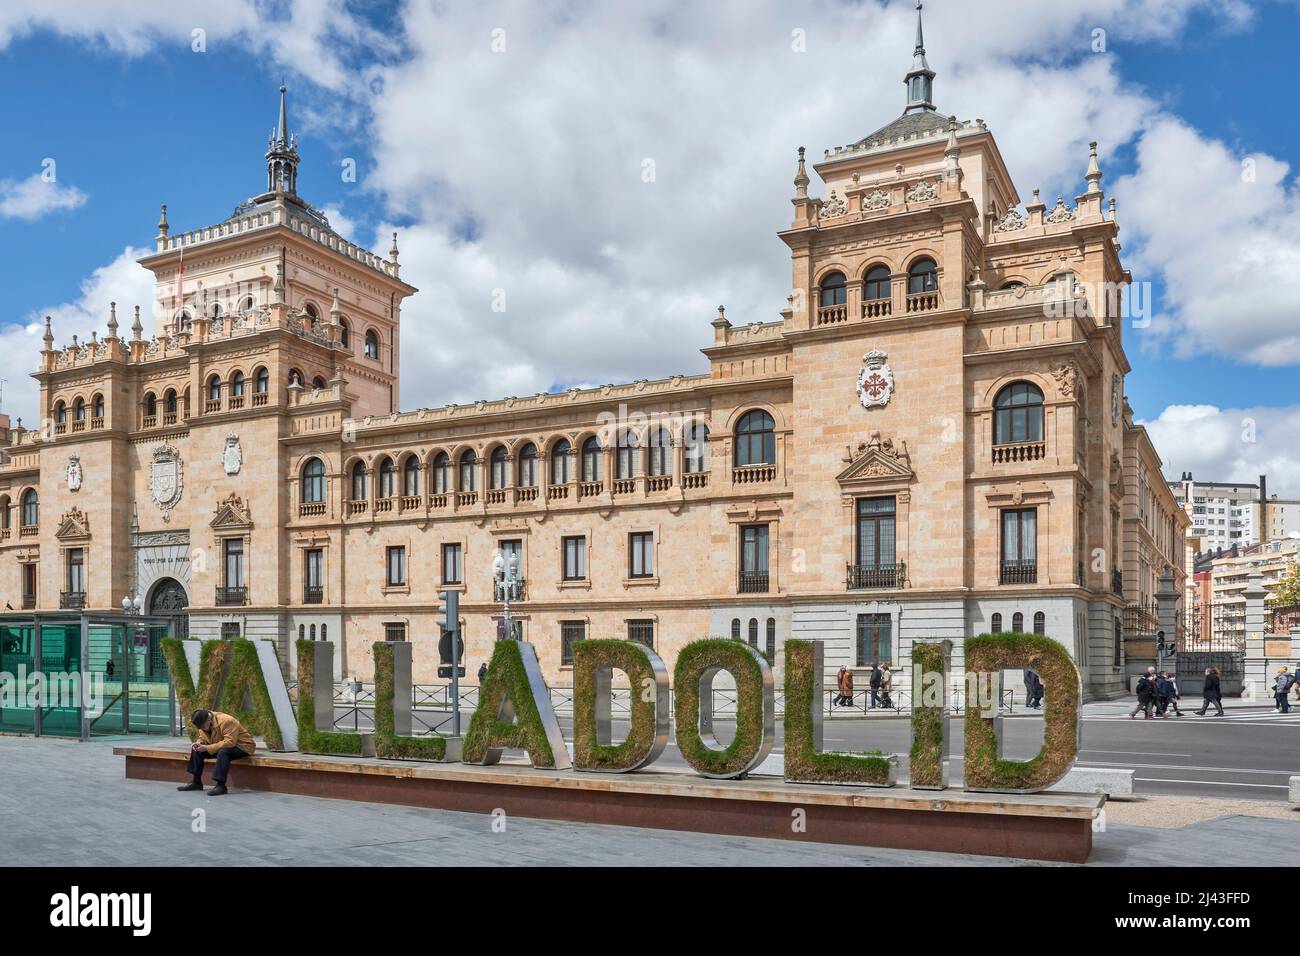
x: 1066, y: 376
x: 1114, y: 399
x: 874, y: 460
x: 1060, y: 212
x: 232, y: 513
x: 166, y: 477
x: 1010, y: 222
x: 875, y: 381
x: 73, y: 524
x: 878, y: 200
x: 835, y: 206
x: 232, y: 456
x: 74, y: 473
x: 923, y: 191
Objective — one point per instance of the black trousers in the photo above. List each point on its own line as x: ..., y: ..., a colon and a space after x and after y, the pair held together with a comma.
x: 221, y: 770
x: 1205, y: 705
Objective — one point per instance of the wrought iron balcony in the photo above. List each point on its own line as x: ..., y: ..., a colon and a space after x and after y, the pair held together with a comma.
x: 72, y: 600
x: 753, y: 582
x: 313, y: 594
x: 232, y: 597
x: 861, y: 577
x: 1018, y: 572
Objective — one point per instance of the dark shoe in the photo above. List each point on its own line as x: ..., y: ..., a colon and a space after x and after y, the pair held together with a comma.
x: 192, y: 785
x: 218, y: 791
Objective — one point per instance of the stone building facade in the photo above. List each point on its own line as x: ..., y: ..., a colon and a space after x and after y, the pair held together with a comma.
x: 931, y: 442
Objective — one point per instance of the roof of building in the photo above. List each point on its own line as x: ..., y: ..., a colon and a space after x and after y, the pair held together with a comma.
x: 909, y: 125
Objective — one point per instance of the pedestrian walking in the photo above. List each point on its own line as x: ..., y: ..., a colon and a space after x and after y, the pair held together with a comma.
x: 886, y: 685
x: 846, y: 687
x: 1146, y: 689
x: 1174, y: 695
x: 1033, y: 688
x: 1210, y: 692
x: 1282, y: 689
x: 875, y: 684
x: 482, y: 671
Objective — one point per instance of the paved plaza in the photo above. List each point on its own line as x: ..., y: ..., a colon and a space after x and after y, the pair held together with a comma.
x: 68, y: 803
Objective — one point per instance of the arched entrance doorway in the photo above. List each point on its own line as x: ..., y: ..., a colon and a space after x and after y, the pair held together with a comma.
x: 169, y: 599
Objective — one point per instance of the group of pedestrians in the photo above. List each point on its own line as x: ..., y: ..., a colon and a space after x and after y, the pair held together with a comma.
x: 1159, y: 692
x: 881, y: 683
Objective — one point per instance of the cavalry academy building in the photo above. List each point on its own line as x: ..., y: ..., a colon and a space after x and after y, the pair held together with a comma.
x: 931, y: 442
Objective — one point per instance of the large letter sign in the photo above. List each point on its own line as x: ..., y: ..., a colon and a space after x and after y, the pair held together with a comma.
x: 927, y: 762
x: 987, y: 656
x: 594, y: 663
x: 514, y: 687
x: 804, y: 760
x: 316, y: 706
x: 255, y: 694
x: 393, y: 710
x: 209, y: 660
x: 697, y: 665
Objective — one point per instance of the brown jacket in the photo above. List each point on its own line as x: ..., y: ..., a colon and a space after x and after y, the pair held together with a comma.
x: 227, y: 732
x: 845, y: 682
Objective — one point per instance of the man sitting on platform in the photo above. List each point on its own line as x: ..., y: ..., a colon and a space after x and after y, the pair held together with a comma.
x: 222, y: 736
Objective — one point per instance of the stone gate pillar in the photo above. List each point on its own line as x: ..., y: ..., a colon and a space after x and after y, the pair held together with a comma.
x: 1256, y: 672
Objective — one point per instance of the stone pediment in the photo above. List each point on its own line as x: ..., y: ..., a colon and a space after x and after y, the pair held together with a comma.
x: 876, y: 461
x: 232, y: 513
x: 74, y: 524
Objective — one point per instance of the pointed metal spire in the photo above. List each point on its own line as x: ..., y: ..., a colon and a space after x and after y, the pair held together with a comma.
x: 282, y: 131
x: 920, y: 79
x: 282, y: 154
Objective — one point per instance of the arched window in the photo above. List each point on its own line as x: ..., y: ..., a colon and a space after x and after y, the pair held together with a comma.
x: 877, y: 283
x: 735, y: 628
x: 359, y: 481
x: 756, y: 439
x: 150, y: 405
x: 323, y: 632
x: 184, y: 320
x: 561, y: 462
x: 318, y: 383
x: 61, y: 413
x: 302, y: 632
x: 753, y: 632
x: 468, y: 466
x: 771, y: 638
x: 216, y: 310
x: 833, y: 290
x: 591, y: 459
x: 1018, y: 414
x: 922, y: 276
x: 97, y: 407
x: 411, y: 476
x: 31, y: 511
x: 295, y: 376
x: 697, y: 458
x: 248, y: 305
x: 312, y: 632
x: 1018, y: 623
x: 5, y: 518
x: 499, y: 467
x: 1040, y: 622
x: 1013, y: 284
x: 372, y: 344
x: 312, y: 315
x: 313, y: 481
x: 169, y: 401
x: 387, y: 478
x: 263, y: 381
x: 214, y: 388
x: 657, y: 453
x: 345, y: 334
x: 997, y: 624
x: 628, y: 458
x: 441, y: 473
x: 237, y: 384
x: 79, y: 410
x: 528, y: 466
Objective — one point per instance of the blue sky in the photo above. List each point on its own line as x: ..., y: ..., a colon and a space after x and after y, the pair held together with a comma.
x: 517, y: 171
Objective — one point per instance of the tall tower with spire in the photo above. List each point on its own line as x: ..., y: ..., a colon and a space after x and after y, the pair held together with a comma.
x: 920, y: 79
x: 282, y: 155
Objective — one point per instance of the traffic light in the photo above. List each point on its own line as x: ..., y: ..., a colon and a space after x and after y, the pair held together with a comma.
x: 450, y: 624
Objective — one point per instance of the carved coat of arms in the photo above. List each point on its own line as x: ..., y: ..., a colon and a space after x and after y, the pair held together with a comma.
x: 875, y: 381
x: 232, y: 456
x: 74, y: 473
x: 165, y: 478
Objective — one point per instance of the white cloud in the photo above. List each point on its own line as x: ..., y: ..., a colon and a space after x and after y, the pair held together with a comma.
x: 33, y: 197
x: 1231, y: 444
x: 122, y: 281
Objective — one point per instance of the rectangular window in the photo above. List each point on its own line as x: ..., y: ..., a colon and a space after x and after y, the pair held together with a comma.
x: 575, y: 558
x: 753, y: 558
x: 233, y: 559
x: 516, y: 628
x: 394, y: 631
x: 313, y: 573
x: 451, y: 564
x: 570, y: 632
x: 396, y: 566
x: 1019, y: 546
x: 641, y: 554
x: 513, y: 548
x: 874, y: 640
x: 875, y: 533
x: 643, y: 632
x: 76, y: 570
x: 29, y: 585
x: 229, y: 630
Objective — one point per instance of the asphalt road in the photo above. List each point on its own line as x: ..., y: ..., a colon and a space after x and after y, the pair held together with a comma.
x: 1249, y: 753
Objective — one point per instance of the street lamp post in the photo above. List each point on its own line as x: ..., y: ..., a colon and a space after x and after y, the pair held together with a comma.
x: 506, y: 585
